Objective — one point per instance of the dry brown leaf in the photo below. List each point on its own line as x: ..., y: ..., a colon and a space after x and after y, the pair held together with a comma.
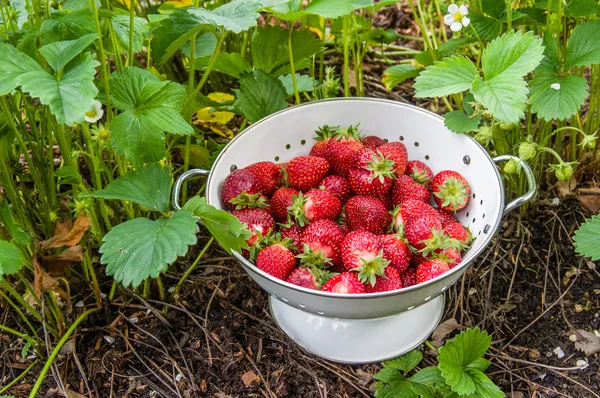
x: 589, y: 199
x: 41, y: 280
x: 56, y: 265
x: 364, y: 377
x: 587, y: 342
x: 443, y: 330
x: 566, y: 188
x: 249, y: 378
x: 73, y: 394
x: 515, y: 394
x: 67, y: 235
x: 351, y: 78
x: 570, y: 274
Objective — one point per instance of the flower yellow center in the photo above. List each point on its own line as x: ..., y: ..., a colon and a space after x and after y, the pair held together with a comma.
x: 458, y: 17
x: 91, y: 114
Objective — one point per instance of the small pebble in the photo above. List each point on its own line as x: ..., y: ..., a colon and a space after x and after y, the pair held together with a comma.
x: 109, y: 339
x: 559, y: 352
x: 134, y: 319
x: 573, y: 337
x: 178, y: 377
x: 582, y: 363
x: 79, y: 304
x: 555, y: 201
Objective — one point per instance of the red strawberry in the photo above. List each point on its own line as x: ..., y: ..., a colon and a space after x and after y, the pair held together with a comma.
x: 450, y: 255
x: 431, y: 269
x: 305, y: 172
x: 238, y: 182
x: 372, y: 141
x: 337, y: 185
x: 293, y: 232
x: 368, y: 214
x: 341, y: 149
x: 257, y: 221
x: 456, y: 230
x: 410, y: 208
x: 405, y: 188
x: 450, y: 190
x: 419, y: 229
x: 281, y: 200
x: 397, y: 152
x: 396, y: 251
x: 446, y: 217
x: 386, y: 199
x: 419, y: 172
x: 346, y: 283
x: 324, y: 236
x: 324, y: 134
x: 269, y: 174
x: 416, y: 259
x: 319, y: 149
x: 409, y: 277
x: 371, y: 174
x: 315, y: 205
x: 276, y: 260
x: 390, y: 282
x: 362, y: 251
x: 309, y: 277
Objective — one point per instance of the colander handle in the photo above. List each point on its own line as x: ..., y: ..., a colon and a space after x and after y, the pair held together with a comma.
x: 179, y: 183
x: 530, y: 183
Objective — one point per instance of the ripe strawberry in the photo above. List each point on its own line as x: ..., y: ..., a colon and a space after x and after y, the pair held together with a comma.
x: 405, y: 188
x: 294, y: 232
x: 397, y: 152
x: 386, y: 199
x: 341, y: 149
x: 346, y: 283
x: 362, y: 251
x: 450, y: 255
x: 337, y: 185
x: 314, y: 205
x: 419, y: 229
x: 309, y: 277
x: 446, y: 217
x: 276, y: 260
x: 390, y: 282
x: 457, y: 231
x: 368, y: 214
x: 281, y: 200
x: 416, y: 259
x: 371, y: 174
x: 410, y: 208
x: 258, y: 221
x: 269, y: 175
x: 396, y: 251
x: 419, y: 172
x: 324, y: 134
x: 450, y: 190
x: 324, y: 236
x: 238, y: 182
x: 372, y: 141
x: 305, y: 172
x: 431, y: 269
x: 409, y: 277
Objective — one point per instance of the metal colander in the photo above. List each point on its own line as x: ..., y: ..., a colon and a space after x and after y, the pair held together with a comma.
x: 326, y: 323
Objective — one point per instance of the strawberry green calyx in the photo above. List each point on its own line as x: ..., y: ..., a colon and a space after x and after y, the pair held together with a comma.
x: 249, y: 201
x: 326, y: 132
x: 512, y: 167
x: 453, y: 192
x: 311, y: 258
x: 348, y: 133
x: 380, y: 167
x: 370, y: 269
x: 421, y: 176
x: 296, y: 210
x: 440, y: 241
x: 321, y: 276
x: 260, y: 243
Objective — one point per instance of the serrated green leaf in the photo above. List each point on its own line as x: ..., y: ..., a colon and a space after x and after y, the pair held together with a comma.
x: 459, y: 122
x: 550, y: 62
x: 406, y: 362
x: 60, y: 53
x: 68, y: 175
x: 120, y: 23
x: 487, y: 28
x: 466, y: 103
x: 260, y: 94
x: 149, y: 108
x: 331, y: 8
x: 428, y: 375
x: 227, y: 229
x: 388, y: 374
x: 70, y: 97
x: 67, y: 26
x: 587, y: 238
x: 232, y: 64
x: 173, y: 33
x: 504, y: 96
x: 396, y: 74
x: 236, y: 16
x: 205, y: 46
x: 396, y: 389
x: 13, y: 64
x: 493, y: 8
x: 304, y: 83
x: 512, y: 53
x: 426, y: 58
x: 446, y: 49
x: 141, y: 248
x: 584, y: 45
x: 480, y: 364
x: 484, y: 387
x: 19, y: 236
x: 582, y: 8
x: 450, y: 76
x: 423, y: 390
x: 550, y: 103
x: 148, y: 186
x: 11, y: 258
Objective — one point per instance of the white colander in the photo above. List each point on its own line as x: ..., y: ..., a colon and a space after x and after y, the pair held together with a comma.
x: 356, y: 328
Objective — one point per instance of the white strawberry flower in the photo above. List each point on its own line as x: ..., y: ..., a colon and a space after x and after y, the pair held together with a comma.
x: 457, y: 17
x: 96, y: 114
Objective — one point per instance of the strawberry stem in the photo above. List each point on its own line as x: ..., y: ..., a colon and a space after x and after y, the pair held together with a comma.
x: 453, y: 192
x: 370, y: 269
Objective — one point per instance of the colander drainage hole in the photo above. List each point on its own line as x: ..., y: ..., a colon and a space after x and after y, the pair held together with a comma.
x: 427, y: 298
x: 426, y: 157
x: 302, y: 142
x: 416, y: 143
x: 473, y: 195
x: 301, y: 306
x: 288, y: 146
x: 320, y: 313
x: 401, y: 138
x: 277, y: 158
x: 481, y: 202
x: 467, y: 214
x: 483, y: 215
x: 284, y: 299
x: 232, y: 168
x: 473, y: 220
x: 486, y: 229
x: 410, y: 308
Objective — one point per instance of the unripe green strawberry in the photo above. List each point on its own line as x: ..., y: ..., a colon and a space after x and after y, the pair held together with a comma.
x: 485, y: 135
x: 563, y: 171
x: 527, y: 150
x: 511, y: 167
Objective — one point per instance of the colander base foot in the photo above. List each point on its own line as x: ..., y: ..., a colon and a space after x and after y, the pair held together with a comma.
x: 358, y: 341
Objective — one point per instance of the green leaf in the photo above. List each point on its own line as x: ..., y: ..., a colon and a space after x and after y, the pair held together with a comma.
x: 550, y: 63
x: 396, y: 74
x: 428, y: 375
x: 560, y: 104
x: 459, y: 122
x: 426, y: 58
x: 493, y: 8
x: 60, y: 53
x: 68, y: 175
x: 148, y: 186
x: 303, y: 82
x: 19, y: 236
x: 173, y: 33
x: 582, y: 8
x: 67, y: 26
x: 236, y: 16
x: 406, y: 362
x: 11, y: 258
x: 584, y: 45
x: 232, y: 64
x: 141, y: 248
x: 480, y: 364
x: 331, y: 8
x: 149, y: 108
x: 22, y: 15
x: 260, y: 94
x: 70, y: 97
x: 512, y: 53
x: 13, y: 64
x: 450, y: 76
x: 458, y: 354
x: 487, y: 28
x: 227, y: 229
x: 120, y: 23
x: 205, y: 46
x: 504, y: 96
x: 447, y: 48
x: 396, y: 389
x: 484, y: 387
x: 587, y: 238
x: 388, y: 374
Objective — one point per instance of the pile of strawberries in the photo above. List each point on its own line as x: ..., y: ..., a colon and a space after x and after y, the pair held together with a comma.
x: 354, y: 216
